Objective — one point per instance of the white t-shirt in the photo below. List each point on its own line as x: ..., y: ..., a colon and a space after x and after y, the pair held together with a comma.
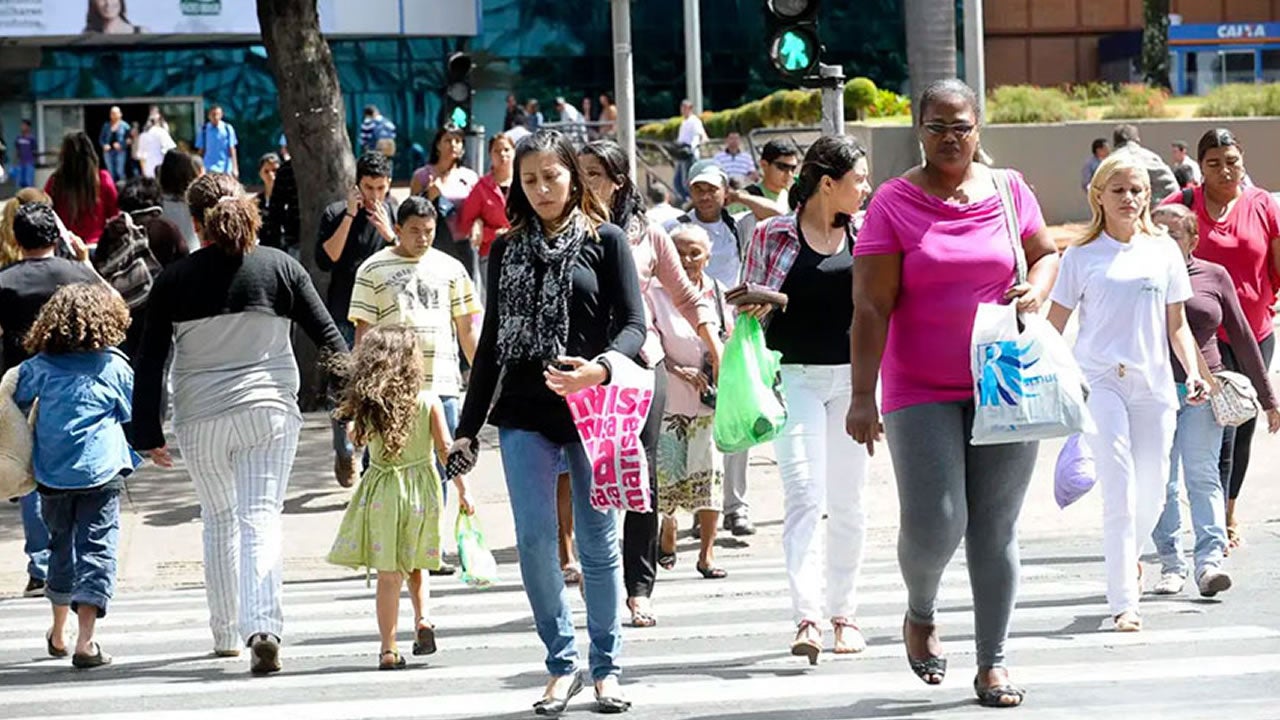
x: 152, y: 145
x: 725, y: 264
x: 691, y: 131
x: 1123, y: 291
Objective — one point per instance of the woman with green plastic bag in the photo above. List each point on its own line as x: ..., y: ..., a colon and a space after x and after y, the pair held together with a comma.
x: 808, y: 256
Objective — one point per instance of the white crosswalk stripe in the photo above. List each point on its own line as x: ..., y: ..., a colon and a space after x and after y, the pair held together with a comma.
x: 720, y: 651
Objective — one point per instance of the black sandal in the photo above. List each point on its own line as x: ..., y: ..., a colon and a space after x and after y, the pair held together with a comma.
x: 551, y: 705
x: 609, y: 705
x: 995, y: 695
x: 397, y: 661
x: 713, y: 572
x: 53, y: 651
x: 97, y: 659
x: 924, y: 668
x: 424, y: 642
x: 666, y: 560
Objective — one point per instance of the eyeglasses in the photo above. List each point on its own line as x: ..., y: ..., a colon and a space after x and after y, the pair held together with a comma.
x: 785, y: 167
x: 960, y: 130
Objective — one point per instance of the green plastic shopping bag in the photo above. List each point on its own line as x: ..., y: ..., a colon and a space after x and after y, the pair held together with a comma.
x: 750, y: 409
x: 479, y: 569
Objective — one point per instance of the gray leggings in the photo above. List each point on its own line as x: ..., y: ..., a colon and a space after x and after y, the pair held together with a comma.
x: 948, y: 490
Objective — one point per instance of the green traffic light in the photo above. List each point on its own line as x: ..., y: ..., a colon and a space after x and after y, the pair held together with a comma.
x: 458, y: 117
x: 795, y: 51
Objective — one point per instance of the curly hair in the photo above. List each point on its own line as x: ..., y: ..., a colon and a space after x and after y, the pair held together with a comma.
x: 383, y: 378
x: 79, y: 318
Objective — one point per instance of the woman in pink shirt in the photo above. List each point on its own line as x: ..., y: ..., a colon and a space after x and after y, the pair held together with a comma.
x: 1240, y: 230
x: 608, y: 174
x: 84, y: 195
x: 934, y: 246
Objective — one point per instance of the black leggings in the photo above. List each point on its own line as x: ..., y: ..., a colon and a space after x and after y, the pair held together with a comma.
x: 640, y: 530
x: 1237, y: 442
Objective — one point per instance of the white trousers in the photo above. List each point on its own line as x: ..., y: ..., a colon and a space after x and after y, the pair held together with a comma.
x: 240, y: 465
x: 823, y: 470
x: 1135, y: 429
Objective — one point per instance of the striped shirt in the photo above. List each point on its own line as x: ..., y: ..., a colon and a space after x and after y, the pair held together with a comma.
x: 735, y: 165
x: 427, y: 294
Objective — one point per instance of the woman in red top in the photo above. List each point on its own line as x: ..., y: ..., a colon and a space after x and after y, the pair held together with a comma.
x: 487, y: 203
x: 1240, y: 230
x: 84, y: 195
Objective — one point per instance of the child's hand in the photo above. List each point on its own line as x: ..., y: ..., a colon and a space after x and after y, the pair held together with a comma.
x: 161, y: 457
x: 464, y: 499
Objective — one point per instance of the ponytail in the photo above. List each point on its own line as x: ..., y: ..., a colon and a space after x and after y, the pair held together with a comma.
x: 832, y: 157
x: 233, y: 224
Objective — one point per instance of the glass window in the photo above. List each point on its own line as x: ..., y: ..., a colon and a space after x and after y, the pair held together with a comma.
x: 1238, y: 67
x: 1204, y: 71
x: 1270, y: 65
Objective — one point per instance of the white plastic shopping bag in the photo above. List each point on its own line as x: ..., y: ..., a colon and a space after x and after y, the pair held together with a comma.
x: 1026, y: 383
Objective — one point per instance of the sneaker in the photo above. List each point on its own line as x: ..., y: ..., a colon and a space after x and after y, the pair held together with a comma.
x: 265, y: 650
x: 740, y: 525
x: 35, y: 588
x: 344, y: 469
x: 1171, y: 583
x: 1213, y: 582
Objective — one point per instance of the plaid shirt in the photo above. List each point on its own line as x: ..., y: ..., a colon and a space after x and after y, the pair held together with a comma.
x: 772, y: 251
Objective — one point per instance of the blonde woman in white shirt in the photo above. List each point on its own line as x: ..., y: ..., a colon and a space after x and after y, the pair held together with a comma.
x: 1129, y: 282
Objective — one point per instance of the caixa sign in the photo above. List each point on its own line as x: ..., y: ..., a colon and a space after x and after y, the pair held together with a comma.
x: 1242, y: 31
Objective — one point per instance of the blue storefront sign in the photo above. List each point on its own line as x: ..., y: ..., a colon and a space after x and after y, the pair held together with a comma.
x: 1205, y: 56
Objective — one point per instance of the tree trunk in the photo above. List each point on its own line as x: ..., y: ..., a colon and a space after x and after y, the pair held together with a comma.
x: 315, y: 123
x: 1155, y: 43
x: 931, y: 43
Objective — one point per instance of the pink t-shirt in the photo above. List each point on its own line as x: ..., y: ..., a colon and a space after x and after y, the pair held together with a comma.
x: 1241, y: 242
x: 953, y: 258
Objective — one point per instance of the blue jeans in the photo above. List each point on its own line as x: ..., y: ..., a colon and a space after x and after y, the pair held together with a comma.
x: 84, y: 532
x: 1196, y: 444
x: 451, y: 421
x: 342, y: 446
x: 115, y: 164
x: 36, y: 535
x: 24, y: 176
x: 530, y: 462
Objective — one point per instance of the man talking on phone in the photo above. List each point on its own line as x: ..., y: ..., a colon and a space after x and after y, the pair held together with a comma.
x: 351, y: 231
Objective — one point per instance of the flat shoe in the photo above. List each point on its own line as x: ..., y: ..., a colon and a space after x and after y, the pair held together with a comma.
x: 266, y: 654
x: 551, y: 705
x: 97, y: 659
x: 995, y: 695
x: 424, y: 641
x: 609, y: 705
x: 1128, y: 621
x: 925, y: 668
x: 53, y: 651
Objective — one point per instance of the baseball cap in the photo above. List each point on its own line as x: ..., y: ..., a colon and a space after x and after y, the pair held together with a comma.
x: 707, y: 171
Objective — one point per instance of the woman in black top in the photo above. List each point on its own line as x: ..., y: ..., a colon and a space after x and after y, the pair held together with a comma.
x: 822, y: 468
x: 563, y: 290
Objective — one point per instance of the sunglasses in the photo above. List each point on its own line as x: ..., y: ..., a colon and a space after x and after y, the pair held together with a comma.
x: 785, y: 167
x: 960, y: 130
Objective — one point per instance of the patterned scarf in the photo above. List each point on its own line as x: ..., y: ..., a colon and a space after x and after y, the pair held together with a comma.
x: 534, y: 290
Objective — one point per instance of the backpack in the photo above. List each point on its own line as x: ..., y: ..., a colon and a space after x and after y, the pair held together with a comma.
x: 124, y: 259
x: 1188, y: 196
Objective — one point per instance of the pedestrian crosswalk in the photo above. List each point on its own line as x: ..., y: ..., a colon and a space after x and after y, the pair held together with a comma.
x: 720, y: 650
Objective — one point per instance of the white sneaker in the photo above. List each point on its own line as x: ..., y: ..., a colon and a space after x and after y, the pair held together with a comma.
x: 1170, y: 584
x: 1213, y: 582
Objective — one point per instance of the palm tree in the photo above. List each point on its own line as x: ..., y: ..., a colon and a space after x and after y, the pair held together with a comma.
x: 931, y: 42
x: 1155, y: 43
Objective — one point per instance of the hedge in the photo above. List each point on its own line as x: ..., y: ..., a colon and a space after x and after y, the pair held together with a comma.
x: 1240, y: 100
x: 1030, y: 104
x: 787, y: 107
x: 1137, y: 102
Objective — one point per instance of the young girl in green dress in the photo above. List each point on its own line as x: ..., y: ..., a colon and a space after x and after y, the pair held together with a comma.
x: 393, y: 522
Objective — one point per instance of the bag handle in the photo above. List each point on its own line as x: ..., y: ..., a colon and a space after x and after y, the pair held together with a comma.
x: 1004, y: 188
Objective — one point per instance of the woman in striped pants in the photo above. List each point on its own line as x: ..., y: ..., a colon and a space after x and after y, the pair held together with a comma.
x: 227, y: 310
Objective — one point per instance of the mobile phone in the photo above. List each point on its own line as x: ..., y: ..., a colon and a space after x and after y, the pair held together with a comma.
x: 65, y: 234
x: 459, y: 462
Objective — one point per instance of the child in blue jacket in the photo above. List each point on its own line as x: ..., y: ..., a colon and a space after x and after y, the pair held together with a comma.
x: 80, y: 456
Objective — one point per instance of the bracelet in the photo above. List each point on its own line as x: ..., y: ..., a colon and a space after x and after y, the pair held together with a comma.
x: 351, y: 215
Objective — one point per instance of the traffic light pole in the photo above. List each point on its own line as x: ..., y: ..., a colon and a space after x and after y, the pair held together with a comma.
x: 624, y: 90
x: 831, y: 80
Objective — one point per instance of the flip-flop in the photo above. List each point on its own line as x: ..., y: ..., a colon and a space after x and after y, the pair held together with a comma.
x: 666, y: 560
x: 97, y: 659
x: 572, y: 574
x: 53, y: 651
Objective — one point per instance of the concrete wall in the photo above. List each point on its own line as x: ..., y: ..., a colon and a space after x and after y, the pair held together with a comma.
x: 1051, y: 156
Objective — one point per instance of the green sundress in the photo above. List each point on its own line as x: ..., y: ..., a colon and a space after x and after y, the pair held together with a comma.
x: 393, y: 521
